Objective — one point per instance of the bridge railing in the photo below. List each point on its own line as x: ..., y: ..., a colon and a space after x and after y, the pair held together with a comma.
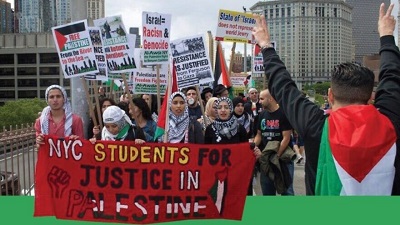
x: 17, y: 160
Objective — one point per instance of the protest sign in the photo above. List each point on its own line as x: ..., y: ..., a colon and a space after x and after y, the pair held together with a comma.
x: 119, y: 181
x: 193, y: 66
x: 238, y: 79
x: 75, y: 49
x: 95, y: 37
x: 118, y: 45
x: 145, y: 81
x: 235, y: 26
x: 156, y: 35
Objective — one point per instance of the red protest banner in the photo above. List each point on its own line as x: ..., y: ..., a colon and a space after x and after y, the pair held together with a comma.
x: 127, y: 183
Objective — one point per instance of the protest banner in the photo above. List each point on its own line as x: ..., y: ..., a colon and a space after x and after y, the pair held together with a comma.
x: 192, y: 62
x: 97, y: 43
x: 75, y: 50
x: 119, y: 181
x: 156, y: 37
x: 118, y: 45
x: 235, y: 26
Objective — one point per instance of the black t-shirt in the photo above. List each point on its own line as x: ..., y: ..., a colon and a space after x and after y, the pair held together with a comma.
x: 271, y: 125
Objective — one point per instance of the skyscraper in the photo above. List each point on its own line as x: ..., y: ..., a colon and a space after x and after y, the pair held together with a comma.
x: 6, y: 17
x: 135, y: 30
x: 42, y: 15
x: 311, y: 36
x: 365, y: 26
x: 95, y: 9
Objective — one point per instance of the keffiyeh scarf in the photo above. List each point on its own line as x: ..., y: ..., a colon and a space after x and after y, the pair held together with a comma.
x: 178, y: 125
x: 44, y: 117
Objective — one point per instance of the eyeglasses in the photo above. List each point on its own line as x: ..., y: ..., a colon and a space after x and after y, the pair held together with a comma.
x: 253, y: 93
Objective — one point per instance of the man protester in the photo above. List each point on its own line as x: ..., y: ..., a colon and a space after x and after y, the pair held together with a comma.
x: 193, y: 103
x: 274, y: 126
x: 57, y: 118
x: 253, y: 107
x: 353, y: 150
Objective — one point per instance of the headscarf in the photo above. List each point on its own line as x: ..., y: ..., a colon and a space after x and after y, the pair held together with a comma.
x: 178, y: 125
x: 114, y: 114
x: 44, y: 117
x: 243, y: 119
x: 210, y: 109
x: 226, y: 128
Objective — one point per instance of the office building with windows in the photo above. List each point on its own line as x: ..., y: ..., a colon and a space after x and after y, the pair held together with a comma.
x: 28, y: 65
x: 365, y: 27
x: 311, y: 36
x: 6, y: 15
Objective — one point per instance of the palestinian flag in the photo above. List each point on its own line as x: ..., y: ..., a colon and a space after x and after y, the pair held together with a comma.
x: 221, y: 74
x: 357, y: 153
x: 114, y: 83
x: 62, y: 33
x: 218, y: 190
x: 162, y: 117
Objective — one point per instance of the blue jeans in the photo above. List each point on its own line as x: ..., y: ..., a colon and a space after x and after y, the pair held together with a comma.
x: 268, y: 187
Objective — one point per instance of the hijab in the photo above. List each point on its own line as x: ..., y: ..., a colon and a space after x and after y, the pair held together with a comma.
x: 243, y: 119
x: 114, y: 114
x: 225, y: 128
x: 44, y: 116
x: 178, y: 125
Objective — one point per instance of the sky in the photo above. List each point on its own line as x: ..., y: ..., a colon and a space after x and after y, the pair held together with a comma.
x: 189, y: 17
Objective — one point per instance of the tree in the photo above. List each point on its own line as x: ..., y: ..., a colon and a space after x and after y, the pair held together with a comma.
x: 23, y: 111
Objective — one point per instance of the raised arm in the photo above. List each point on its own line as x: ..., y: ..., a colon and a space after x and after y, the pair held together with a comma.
x: 301, y: 113
x: 387, y: 97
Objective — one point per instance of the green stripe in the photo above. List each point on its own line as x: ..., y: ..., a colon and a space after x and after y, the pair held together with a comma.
x: 158, y: 133
x: 328, y: 182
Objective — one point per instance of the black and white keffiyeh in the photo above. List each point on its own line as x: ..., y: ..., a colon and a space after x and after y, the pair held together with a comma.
x: 178, y: 125
x: 226, y: 128
x: 44, y: 117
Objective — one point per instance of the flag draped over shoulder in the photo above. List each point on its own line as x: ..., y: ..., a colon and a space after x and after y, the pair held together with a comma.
x: 162, y: 117
x: 221, y: 73
x: 357, y: 153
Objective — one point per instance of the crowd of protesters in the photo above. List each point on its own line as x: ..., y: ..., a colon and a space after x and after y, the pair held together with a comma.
x: 284, y: 126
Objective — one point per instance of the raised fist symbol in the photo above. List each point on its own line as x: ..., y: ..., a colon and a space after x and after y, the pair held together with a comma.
x: 58, y: 180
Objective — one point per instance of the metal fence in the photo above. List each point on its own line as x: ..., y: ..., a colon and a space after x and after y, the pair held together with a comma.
x: 17, y: 160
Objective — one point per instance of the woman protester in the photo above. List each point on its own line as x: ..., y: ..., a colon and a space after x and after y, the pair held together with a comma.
x: 242, y: 116
x: 94, y: 131
x: 182, y: 129
x: 140, y: 112
x: 118, y: 127
x: 210, y: 113
x: 226, y: 129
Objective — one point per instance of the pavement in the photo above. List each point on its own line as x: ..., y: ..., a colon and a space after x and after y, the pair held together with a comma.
x: 298, y: 182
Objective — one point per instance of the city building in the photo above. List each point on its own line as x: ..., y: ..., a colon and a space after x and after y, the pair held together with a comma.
x: 29, y: 63
x: 135, y: 30
x: 6, y: 16
x: 41, y: 15
x: 311, y: 36
x: 365, y: 27
x: 95, y: 9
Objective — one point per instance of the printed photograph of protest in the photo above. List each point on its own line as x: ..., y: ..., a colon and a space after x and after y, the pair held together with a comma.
x: 95, y: 37
x: 192, y: 61
x: 118, y: 45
